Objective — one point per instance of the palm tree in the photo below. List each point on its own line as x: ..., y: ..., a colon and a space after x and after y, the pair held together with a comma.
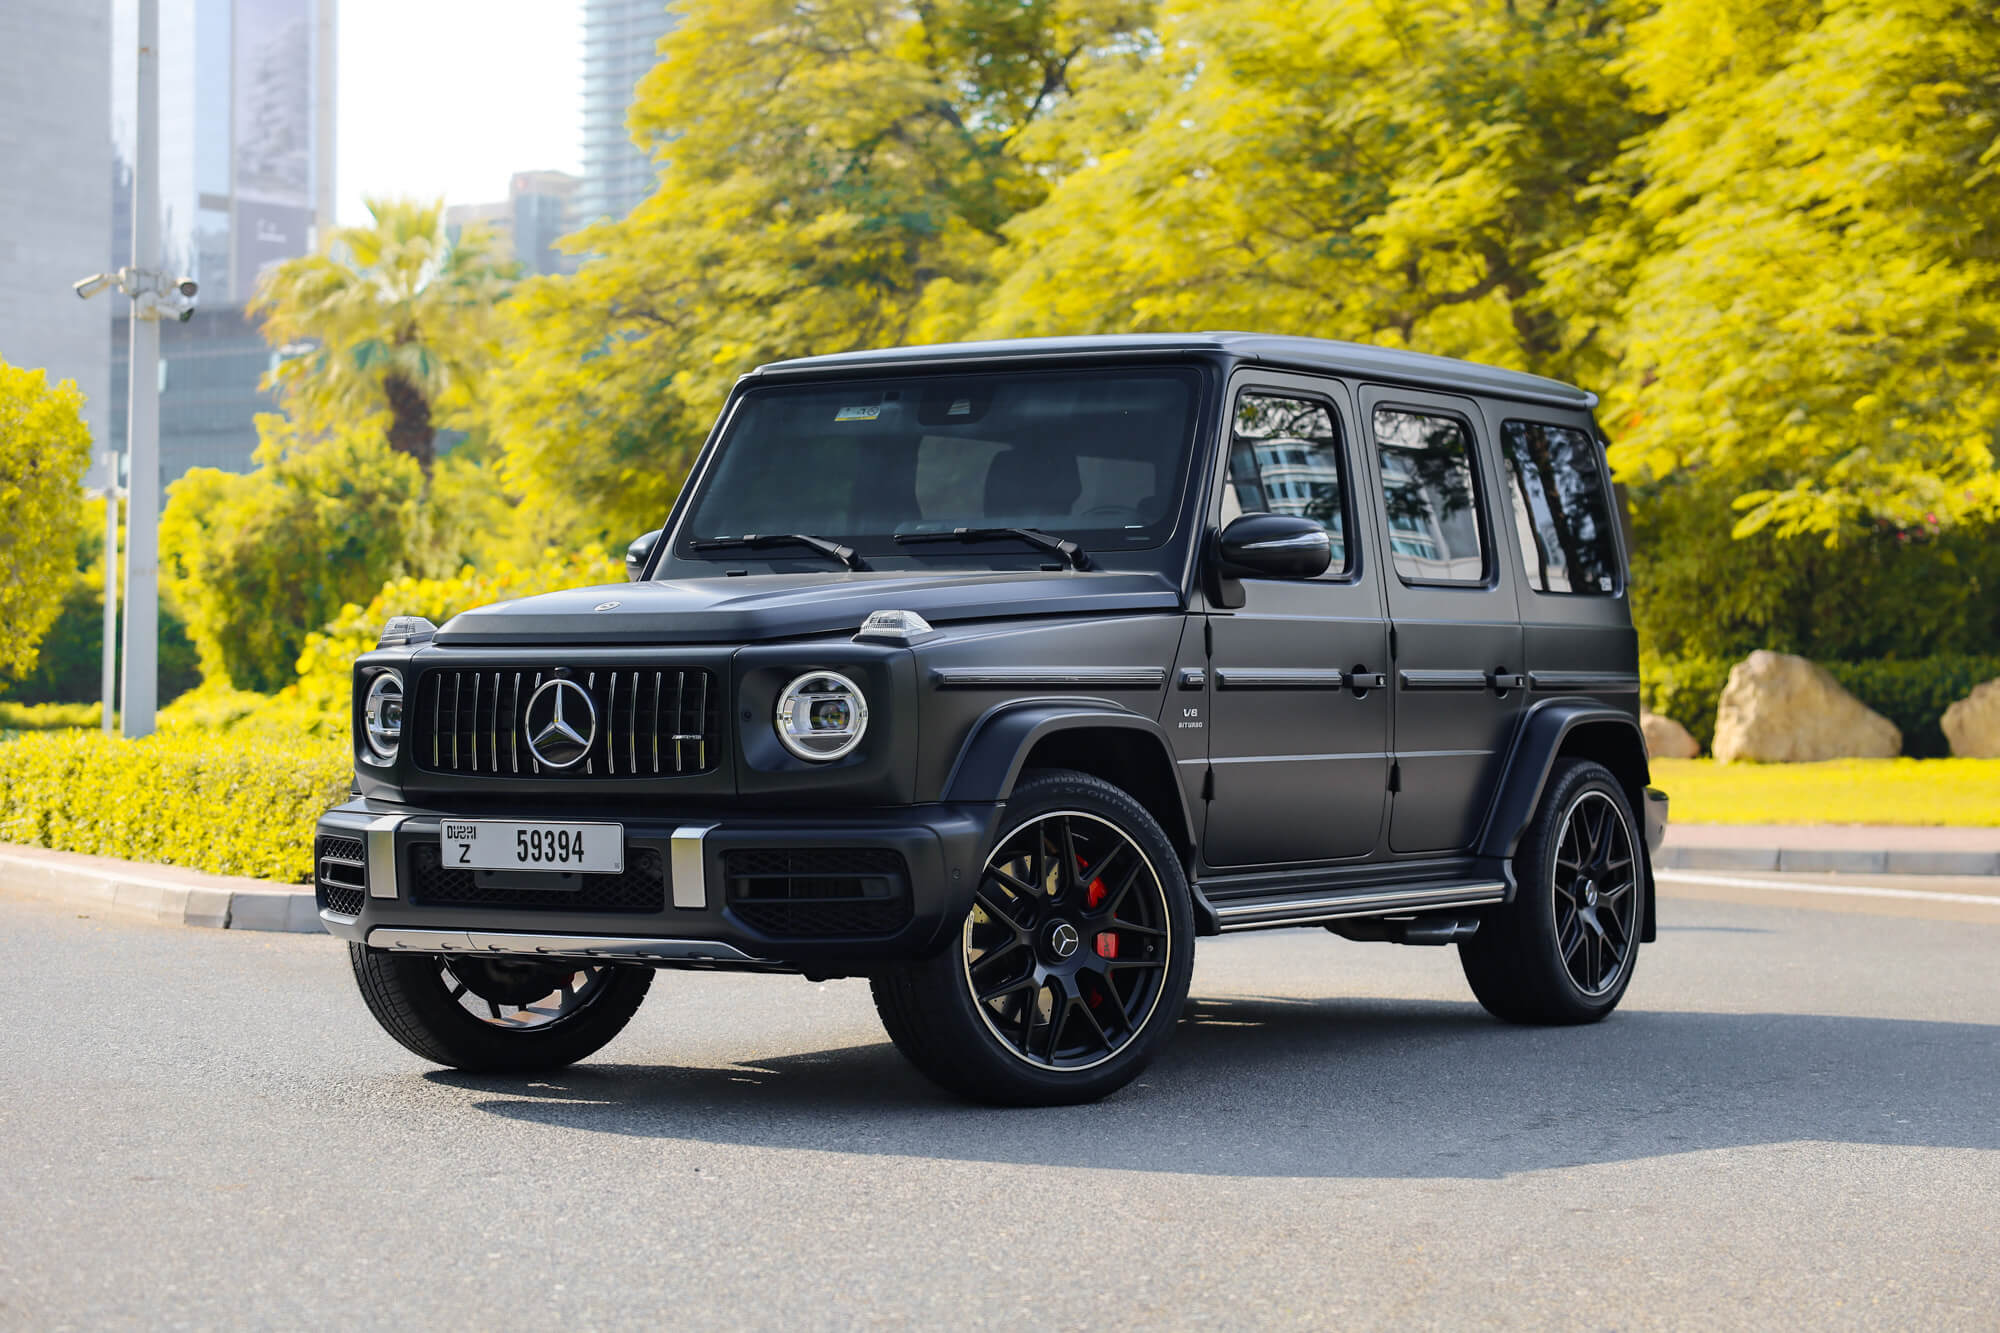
x: 397, y: 317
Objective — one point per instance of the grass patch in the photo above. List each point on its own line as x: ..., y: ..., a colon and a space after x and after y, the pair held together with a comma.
x: 1963, y: 792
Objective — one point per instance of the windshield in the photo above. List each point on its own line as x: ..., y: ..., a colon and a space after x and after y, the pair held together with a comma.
x: 1097, y: 456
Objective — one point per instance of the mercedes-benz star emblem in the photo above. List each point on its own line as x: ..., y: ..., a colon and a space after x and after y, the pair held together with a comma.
x: 561, y: 723
x: 1063, y: 940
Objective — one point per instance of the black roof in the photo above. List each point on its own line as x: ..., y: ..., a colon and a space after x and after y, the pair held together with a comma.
x: 1321, y: 354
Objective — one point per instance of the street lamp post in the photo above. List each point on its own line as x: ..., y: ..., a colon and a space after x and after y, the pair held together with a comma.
x: 110, y: 676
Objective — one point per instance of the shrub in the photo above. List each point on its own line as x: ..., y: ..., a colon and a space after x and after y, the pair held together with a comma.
x: 44, y: 448
x: 206, y: 802
x: 1687, y: 689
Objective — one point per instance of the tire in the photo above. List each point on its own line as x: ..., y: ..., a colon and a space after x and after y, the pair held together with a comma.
x: 1564, y: 950
x: 427, y: 1002
x: 1111, y: 1001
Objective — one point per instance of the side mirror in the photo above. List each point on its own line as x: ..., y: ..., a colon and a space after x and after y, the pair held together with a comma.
x: 639, y: 552
x: 1274, y: 546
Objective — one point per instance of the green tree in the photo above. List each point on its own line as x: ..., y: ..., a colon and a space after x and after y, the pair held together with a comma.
x: 861, y: 204
x: 400, y: 322
x: 44, y: 449
x: 258, y: 561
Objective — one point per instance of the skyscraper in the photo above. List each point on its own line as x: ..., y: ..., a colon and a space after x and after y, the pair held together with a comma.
x: 55, y: 138
x: 527, y: 223
x: 246, y: 179
x: 621, y: 41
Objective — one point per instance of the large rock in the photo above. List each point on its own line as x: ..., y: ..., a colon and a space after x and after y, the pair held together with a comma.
x: 1782, y: 709
x: 1972, y: 725
x: 1666, y: 738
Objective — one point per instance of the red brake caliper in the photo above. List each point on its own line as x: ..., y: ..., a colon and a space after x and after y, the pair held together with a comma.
x: 1106, y: 943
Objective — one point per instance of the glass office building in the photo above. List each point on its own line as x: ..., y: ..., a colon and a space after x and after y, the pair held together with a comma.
x: 621, y: 40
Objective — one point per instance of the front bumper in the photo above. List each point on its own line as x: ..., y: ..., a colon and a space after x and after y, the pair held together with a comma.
x: 695, y: 918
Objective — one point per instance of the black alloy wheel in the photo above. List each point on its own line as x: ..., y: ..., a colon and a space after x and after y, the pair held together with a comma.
x: 1068, y: 972
x: 498, y: 1014
x: 1595, y: 887
x: 1066, y: 948
x: 1563, y: 951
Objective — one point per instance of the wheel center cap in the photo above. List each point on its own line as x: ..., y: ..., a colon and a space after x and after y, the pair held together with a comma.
x: 1064, y: 940
x: 1589, y: 893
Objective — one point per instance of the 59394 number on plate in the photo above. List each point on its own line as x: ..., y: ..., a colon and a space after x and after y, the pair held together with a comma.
x: 493, y: 844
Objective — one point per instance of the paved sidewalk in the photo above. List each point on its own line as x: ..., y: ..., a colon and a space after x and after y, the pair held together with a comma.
x: 1856, y: 849
x: 167, y: 895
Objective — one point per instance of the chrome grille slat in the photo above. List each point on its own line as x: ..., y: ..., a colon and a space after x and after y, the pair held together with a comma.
x: 678, y: 727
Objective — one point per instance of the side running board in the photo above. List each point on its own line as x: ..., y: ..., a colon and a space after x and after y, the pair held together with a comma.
x: 1312, y: 908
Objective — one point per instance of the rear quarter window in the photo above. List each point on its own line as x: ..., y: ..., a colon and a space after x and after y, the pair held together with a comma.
x: 1562, y: 508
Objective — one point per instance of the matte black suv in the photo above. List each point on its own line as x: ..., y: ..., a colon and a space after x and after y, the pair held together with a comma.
x: 998, y: 673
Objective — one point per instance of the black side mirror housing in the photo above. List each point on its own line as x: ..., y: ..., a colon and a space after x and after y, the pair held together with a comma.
x: 1274, y: 546
x: 639, y: 552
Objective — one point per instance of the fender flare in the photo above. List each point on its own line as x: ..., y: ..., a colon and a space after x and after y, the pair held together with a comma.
x: 1536, y: 748
x: 997, y: 747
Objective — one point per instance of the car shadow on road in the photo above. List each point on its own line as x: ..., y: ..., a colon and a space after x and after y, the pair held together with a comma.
x: 1262, y: 1086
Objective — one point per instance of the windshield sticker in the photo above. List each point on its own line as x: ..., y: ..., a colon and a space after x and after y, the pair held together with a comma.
x: 858, y: 413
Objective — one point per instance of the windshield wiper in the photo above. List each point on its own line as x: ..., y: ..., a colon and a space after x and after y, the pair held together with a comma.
x: 1068, y: 550
x: 757, y: 541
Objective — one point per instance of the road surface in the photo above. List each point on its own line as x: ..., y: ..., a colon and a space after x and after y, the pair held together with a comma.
x: 1794, y: 1119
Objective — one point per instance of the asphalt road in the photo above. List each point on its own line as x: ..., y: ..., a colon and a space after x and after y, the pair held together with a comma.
x: 1794, y: 1120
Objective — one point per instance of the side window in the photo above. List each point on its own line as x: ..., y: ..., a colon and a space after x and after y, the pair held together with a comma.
x: 1284, y: 458
x: 1561, y: 508
x: 1433, y: 505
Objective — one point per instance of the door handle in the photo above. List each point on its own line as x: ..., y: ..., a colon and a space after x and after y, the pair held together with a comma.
x: 1503, y: 680
x: 1368, y: 680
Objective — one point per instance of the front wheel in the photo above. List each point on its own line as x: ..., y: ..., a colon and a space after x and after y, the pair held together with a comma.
x: 497, y: 1014
x: 1069, y: 972
x: 1563, y: 951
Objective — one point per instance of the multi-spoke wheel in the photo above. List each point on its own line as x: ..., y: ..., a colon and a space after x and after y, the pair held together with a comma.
x: 497, y: 1014
x: 1564, y: 949
x: 1070, y: 967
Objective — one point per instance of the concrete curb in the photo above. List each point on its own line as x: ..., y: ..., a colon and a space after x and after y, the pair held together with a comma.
x: 1844, y: 861
x: 164, y: 895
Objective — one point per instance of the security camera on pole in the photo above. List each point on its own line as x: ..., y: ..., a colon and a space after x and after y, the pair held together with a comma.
x: 154, y: 297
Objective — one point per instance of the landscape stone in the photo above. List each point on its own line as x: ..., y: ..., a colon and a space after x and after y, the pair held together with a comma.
x: 1972, y: 725
x: 1778, y: 708
x: 1666, y: 738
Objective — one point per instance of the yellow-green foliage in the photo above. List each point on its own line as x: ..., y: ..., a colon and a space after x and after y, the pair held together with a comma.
x: 326, y: 664
x: 44, y: 447
x: 1845, y: 791
x: 47, y: 717
x: 258, y: 560
x: 208, y: 802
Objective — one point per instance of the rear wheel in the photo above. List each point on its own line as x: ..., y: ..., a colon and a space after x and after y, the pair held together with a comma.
x: 1069, y: 972
x: 1563, y: 951
x: 497, y: 1014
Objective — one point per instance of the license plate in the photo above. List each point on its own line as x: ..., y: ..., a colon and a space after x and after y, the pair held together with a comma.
x: 492, y: 844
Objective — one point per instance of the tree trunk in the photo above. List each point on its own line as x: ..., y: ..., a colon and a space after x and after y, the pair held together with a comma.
x: 410, y: 428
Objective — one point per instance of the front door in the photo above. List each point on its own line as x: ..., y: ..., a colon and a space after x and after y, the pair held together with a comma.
x: 1298, y: 750
x: 1458, y: 677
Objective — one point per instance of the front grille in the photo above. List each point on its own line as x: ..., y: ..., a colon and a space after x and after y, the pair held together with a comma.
x: 649, y: 723
x: 641, y: 889
x: 819, y: 891
x: 341, y: 876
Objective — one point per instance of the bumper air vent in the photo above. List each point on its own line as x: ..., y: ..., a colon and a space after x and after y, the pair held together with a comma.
x: 818, y: 893
x: 341, y: 879
x: 640, y: 890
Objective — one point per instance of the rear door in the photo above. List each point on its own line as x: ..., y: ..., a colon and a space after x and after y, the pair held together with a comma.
x: 1458, y: 677
x: 1298, y: 755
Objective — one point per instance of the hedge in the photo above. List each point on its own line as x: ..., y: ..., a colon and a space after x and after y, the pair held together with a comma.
x: 1911, y: 693
x: 230, y: 805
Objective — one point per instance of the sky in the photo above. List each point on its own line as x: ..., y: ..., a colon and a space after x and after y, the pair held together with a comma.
x: 452, y: 97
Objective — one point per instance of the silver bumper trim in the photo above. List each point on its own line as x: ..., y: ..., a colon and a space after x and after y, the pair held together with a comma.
x: 381, y: 839
x: 690, y: 865
x: 401, y: 940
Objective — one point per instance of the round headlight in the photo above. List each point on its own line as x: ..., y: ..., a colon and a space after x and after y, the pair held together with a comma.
x: 822, y: 715
x: 382, y: 715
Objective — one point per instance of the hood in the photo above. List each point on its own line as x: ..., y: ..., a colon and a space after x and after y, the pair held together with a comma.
x: 776, y: 606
